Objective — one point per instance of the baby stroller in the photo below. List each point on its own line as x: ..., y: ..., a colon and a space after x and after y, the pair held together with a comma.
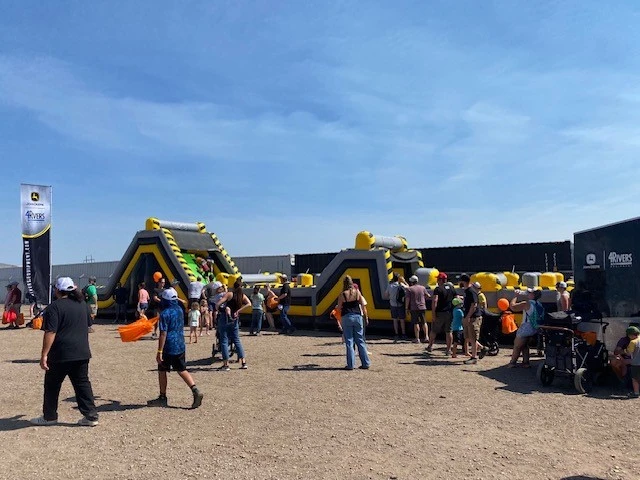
x: 581, y: 356
x: 489, y: 332
x: 217, y: 347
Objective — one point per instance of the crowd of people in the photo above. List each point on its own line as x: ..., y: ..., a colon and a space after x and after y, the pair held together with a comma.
x: 446, y: 305
x: 458, y: 317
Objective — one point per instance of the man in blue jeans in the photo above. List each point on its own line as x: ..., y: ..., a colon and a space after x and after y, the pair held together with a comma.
x: 285, y: 303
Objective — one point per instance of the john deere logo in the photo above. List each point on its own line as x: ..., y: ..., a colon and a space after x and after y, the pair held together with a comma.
x: 35, y: 196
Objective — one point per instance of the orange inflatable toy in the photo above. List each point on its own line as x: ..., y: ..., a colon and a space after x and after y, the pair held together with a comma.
x: 138, y: 329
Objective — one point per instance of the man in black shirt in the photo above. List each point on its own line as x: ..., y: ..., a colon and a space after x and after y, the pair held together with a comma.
x: 285, y: 304
x: 472, y: 321
x: 65, y: 352
x: 442, y: 312
x: 121, y: 295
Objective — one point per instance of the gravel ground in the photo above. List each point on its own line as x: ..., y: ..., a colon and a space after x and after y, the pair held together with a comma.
x: 295, y: 414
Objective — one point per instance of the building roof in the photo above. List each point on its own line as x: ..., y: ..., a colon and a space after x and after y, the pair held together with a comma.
x: 609, y: 225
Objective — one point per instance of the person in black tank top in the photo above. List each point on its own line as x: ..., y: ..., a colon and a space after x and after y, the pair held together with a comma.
x: 229, y: 308
x: 351, y: 304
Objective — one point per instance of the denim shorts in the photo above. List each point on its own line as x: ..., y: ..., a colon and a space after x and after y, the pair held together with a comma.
x: 458, y: 337
x: 526, y: 330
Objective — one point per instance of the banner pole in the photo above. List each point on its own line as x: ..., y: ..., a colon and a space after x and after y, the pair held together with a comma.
x: 50, y: 251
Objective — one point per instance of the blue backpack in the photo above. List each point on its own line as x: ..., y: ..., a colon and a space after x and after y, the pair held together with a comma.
x: 537, y: 316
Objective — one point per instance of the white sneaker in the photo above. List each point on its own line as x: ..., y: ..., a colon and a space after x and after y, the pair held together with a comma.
x: 41, y: 422
x: 85, y: 422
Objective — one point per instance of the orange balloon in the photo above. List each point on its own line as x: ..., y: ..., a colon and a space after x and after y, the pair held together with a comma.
x: 503, y: 304
x: 157, y: 276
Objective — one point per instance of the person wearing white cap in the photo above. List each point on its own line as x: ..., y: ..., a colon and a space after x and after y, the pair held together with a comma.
x: 533, y: 315
x: 563, y: 299
x: 66, y: 352
x: 172, y: 349
x: 12, y: 304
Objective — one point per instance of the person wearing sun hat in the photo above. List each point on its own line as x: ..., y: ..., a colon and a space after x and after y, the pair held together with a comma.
x: 66, y: 352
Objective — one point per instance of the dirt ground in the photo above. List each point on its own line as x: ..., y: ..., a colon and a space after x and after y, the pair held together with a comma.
x: 295, y: 414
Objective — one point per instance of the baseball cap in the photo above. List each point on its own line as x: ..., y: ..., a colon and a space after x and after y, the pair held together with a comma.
x: 12, y: 284
x: 285, y: 279
x: 217, y: 285
x: 169, y: 294
x: 633, y: 331
x: 477, y: 285
x: 442, y: 276
x: 64, y: 284
x: 413, y: 279
x: 456, y: 302
x: 92, y: 278
x: 561, y: 285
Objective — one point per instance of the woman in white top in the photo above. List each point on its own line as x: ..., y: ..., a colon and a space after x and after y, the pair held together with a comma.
x: 533, y: 310
x: 564, y: 299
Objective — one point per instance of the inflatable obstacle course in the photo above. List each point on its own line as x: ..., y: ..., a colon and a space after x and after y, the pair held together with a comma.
x: 186, y: 251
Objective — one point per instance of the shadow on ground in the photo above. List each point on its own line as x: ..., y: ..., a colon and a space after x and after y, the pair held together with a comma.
x: 18, y: 422
x: 323, y: 355
x: 110, y: 405
x: 582, y: 477
x: 310, y: 367
x: 24, y: 360
x: 524, y: 381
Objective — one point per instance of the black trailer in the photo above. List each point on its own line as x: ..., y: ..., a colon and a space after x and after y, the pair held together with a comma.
x: 607, y: 267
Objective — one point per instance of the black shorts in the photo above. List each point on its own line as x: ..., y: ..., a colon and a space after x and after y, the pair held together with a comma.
x: 635, y: 372
x: 458, y: 337
x: 417, y: 317
x: 175, y: 362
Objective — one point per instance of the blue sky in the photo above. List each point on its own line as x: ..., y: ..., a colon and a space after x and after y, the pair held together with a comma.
x: 287, y: 127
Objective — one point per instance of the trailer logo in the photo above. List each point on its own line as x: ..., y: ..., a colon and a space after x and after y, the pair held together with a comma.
x: 591, y: 262
x: 620, y: 259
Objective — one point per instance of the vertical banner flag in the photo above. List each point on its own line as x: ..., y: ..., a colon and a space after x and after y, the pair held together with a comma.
x: 35, y: 201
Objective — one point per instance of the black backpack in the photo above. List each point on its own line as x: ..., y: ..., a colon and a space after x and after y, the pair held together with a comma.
x: 449, y: 293
x: 84, y: 293
x: 400, y: 295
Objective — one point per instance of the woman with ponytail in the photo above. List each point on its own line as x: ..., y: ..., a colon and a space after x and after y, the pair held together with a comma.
x: 351, y: 304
